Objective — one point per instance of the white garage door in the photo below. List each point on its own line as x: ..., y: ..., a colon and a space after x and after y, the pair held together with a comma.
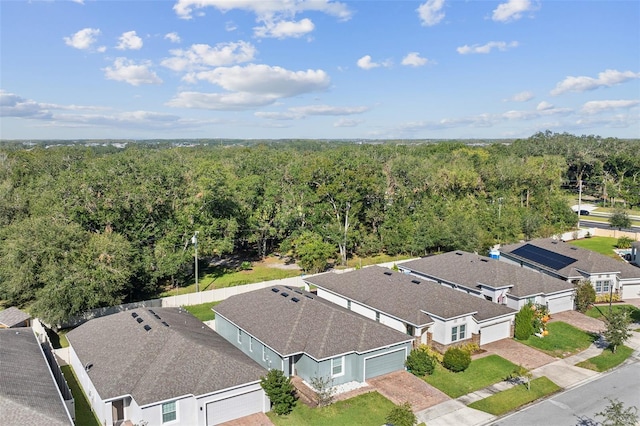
x: 560, y: 304
x: 491, y: 333
x: 631, y: 291
x: 234, y: 407
x: 385, y: 363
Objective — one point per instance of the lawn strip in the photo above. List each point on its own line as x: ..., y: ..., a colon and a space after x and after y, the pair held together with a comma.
x: 202, y: 311
x: 602, y: 245
x: 510, y: 399
x: 601, y: 311
x: 84, y: 415
x: 607, y: 359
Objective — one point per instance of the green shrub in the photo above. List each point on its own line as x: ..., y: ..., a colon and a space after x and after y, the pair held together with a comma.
x: 585, y: 295
x: 245, y: 266
x: 605, y: 298
x: 456, y: 359
x: 524, y: 322
x: 402, y: 415
x: 280, y: 391
x: 470, y: 347
x: 624, y: 242
x: 420, y: 363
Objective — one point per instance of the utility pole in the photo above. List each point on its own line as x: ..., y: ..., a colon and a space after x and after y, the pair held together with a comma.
x: 579, y: 200
x: 194, y: 241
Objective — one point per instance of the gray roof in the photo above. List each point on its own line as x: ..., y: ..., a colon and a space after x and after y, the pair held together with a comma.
x: 184, y: 358
x: 585, y: 260
x: 12, y: 316
x: 398, y: 295
x: 311, y: 325
x: 471, y: 271
x: 28, y: 394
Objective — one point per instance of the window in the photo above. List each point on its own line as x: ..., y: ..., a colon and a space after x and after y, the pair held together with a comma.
x: 603, y: 286
x: 264, y: 353
x: 458, y: 332
x: 337, y: 366
x: 378, y: 316
x: 169, y: 412
x: 250, y: 344
x: 349, y: 304
x: 239, y: 336
x: 410, y: 330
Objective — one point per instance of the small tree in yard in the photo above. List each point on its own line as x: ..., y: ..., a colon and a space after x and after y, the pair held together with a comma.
x: 402, y: 415
x: 521, y: 374
x: 420, y: 363
x: 456, y: 359
x: 280, y: 391
x: 617, y: 331
x: 524, y: 322
x: 616, y: 415
x: 585, y: 295
x: 324, y: 389
x: 619, y: 219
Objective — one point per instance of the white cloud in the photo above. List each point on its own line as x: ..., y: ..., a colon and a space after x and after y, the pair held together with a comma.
x: 266, y: 80
x: 78, y: 1
x: 129, y: 40
x: 284, y: 29
x: 128, y: 71
x: 606, y: 78
x: 486, y: 48
x: 264, y: 9
x: 347, y: 122
x: 12, y: 105
x: 544, y: 106
x: 595, y: 107
x: 296, y: 113
x: 366, y: 63
x: 430, y: 12
x: 198, y: 56
x: 413, y: 59
x: 521, y: 97
x: 173, y: 37
x: 221, y: 101
x: 512, y: 10
x: 230, y: 26
x: 83, y: 39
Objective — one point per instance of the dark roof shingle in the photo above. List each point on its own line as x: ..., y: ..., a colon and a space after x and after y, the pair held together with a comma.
x: 185, y: 357
x: 13, y: 316
x: 311, y: 325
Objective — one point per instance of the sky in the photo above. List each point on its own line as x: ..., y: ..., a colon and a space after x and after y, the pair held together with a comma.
x: 318, y: 69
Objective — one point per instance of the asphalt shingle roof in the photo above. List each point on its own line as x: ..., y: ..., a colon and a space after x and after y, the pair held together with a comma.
x: 13, y: 316
x: 311, y: 325
x: 586, y: 260
x: 398, y: 295
x: 185, y: 357
x: 28, y: 394
x: 471, y: 270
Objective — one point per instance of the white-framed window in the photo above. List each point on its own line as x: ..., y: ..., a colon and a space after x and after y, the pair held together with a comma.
x: 411, y: 330
x: 250, y: 344
x: 169, y: 412
x: 603, y: 286
x: 349, y: 304
x: 264, y: 353
x: 378, y: 316
x: 458, y: 332
x: 337, y: 366
x: 239, y: 336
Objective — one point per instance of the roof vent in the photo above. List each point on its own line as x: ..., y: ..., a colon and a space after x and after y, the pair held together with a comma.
x: 139, y: 320
x: 458, y: 253
x: 133, y: 314
x: 298, y: 291
x: 165, y: 324
x: 275, y: 290
x: 88, y: 366
x: 147, y: 327
x: 151, y: 311
x: 295, y: 299
x: 484, y: 260
x: 283, y: 294
x: 287, y: 287
x: 157, y: 316
x: 387, y: 272
x: 574, y: 248
x: 554, y: 242
x: 415, y: 281
x: 308, y: 296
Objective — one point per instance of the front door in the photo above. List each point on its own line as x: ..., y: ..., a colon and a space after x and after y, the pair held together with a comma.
x: 117, y: 412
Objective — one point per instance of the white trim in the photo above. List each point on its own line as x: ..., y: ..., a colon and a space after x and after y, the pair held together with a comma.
x: 342, y: 366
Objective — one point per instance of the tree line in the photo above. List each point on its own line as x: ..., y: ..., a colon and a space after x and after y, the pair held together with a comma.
x: 84, y: 227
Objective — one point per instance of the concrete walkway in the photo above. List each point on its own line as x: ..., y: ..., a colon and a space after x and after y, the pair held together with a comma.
x: 562, y: 372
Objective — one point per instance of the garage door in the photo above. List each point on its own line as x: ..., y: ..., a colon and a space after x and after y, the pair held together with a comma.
x: 630, y: 291
x: 494, y: 332
x: 560, y: 304
x: 384, y: 363
x: 234, y: 407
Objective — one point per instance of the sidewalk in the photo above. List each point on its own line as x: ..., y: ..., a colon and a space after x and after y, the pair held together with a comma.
x: 562, y: 372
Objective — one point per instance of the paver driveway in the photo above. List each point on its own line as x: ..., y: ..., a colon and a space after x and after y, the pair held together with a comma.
x: 402, y: 386
x: 580, y: 321
x: 518, y: 353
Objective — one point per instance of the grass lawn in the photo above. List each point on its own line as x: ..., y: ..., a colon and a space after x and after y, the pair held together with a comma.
x: 84, y: 415
x: 509, y: 400
x: 363, y: 410
x: 562, y: 341
x: 220, y: 277
x: 600, y: 311
x: 602, y: 245
x: 607, y: 359
x: 481, y: 373
x: 366, y: 261
x: 203, y: 311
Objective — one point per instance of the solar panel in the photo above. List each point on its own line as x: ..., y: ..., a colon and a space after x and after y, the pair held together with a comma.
x: 550, y: 259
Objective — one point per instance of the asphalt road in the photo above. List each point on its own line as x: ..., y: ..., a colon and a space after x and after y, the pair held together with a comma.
x: 575, y: 406
x: 586, y: 223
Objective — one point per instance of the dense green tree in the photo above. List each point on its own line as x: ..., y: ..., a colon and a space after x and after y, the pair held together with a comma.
x: 617, y: 331
x: 585, y: 295
x: 524, y: 322
x: 615, y: 414
x: 280, y: 391
x: 619, y: 219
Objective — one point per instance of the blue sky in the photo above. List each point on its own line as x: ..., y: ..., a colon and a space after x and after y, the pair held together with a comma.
x: 318, y: 69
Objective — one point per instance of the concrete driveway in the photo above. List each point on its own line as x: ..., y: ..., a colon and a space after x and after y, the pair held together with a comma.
x: 402, y: 386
